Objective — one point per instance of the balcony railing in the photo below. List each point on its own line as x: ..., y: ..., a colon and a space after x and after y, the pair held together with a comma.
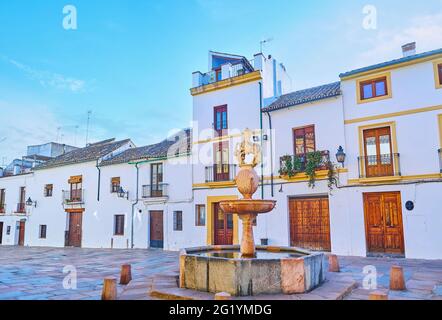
x: 71, y: 197
x: 220, y: 173
x: 229, y: 70
x: 2, y: 208
x: 297, y: 164
x: 384, y: 165
x: 21, y: 208
x: 155, y: 191
x: 440, y: 159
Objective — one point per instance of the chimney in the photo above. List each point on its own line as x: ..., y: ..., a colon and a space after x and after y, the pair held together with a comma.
x: 409, y: 49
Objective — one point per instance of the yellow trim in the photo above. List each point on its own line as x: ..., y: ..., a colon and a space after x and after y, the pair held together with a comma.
x: 440, y: 130
x: 394, y: 114
x: 395, y: 148
x: 224, y: 138
x: 215, y: 185
x: 436, y: 74
x: 209, y: 221
x: 396, y: 66
x: 378, y: 75
x: 394, y: 180
x: 246, y: 78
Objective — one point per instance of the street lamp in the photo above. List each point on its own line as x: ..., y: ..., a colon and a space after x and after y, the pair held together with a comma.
x: 31, y: 203
x: 123, y: 194
x: 340, y: 156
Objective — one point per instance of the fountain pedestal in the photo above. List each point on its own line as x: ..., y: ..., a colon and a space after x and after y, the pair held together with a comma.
x: 246, y: 270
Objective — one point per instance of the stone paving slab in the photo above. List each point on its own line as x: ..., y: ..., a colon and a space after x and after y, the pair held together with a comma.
x: 37, y: 274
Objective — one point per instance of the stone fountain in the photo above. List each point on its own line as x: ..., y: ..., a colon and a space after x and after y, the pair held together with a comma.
x: 247, y: 269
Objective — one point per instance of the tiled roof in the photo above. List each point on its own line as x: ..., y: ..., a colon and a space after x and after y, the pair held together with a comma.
x: 155, y: 151
x: 90, y: 153
x: 305, y: 96
x: 391, y: 63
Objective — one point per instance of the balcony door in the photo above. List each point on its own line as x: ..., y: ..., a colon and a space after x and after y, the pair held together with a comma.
x: 221, y: 169
x: 156, y: 180
x: 378, y: 152
x: 304, y: 142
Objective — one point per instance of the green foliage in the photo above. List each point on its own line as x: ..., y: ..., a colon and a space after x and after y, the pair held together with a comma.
x: 290, y: 166
x: 314, y: 160
x: 332, y: 178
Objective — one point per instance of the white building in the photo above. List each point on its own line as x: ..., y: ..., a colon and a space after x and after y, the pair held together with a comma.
x: 382, y: 199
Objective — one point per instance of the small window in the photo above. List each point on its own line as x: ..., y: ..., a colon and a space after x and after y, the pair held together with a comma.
x: 48, y: 190
x: 200, y: 215
x: 42, y: 231
x: 115, y: 184
x: 177, y: 221
x: 374, y: 88
x: 119, y: 225
x: 439, y: 72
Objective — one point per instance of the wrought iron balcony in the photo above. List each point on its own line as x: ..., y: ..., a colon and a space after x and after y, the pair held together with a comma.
x: 440, y: 159
x: 297, y: 164
x: 155, y: 191
x: 21, y: 208
x: 220, y: 173
x: 72, y: 197
x: 2, y: 208
x: 384, y: 165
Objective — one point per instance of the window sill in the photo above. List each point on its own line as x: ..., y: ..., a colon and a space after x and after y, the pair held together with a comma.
x: 380, y: 98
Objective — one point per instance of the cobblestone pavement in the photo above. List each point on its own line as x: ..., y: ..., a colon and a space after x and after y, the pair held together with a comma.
x: 37, y: 273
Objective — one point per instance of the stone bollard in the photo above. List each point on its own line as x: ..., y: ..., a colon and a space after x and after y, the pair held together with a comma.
x: 109, y: 289
x: 397, y: 279
x: 223, y: 296
x: 333, y: 263
x: 378, y: 296
x: 126, y: 274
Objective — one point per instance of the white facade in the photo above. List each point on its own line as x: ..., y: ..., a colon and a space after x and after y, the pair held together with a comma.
x: 412, y: 112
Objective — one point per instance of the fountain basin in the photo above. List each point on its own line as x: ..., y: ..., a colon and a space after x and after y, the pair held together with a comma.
x: 273, y: 270
x: 244, y: 206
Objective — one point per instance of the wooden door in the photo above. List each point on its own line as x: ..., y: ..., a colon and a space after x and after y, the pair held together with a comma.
x: 1, y: 232
x: 75, y: 229
x: 310, y: 223
x: 383, y: 223
x: 156, y: 229
x: 223, y: 226
x: 378, y: 152
x: 21, y: 233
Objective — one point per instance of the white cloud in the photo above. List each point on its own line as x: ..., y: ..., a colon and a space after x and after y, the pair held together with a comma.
x: 50, y: 79
x: 425, y: 30
x: 22, y: 125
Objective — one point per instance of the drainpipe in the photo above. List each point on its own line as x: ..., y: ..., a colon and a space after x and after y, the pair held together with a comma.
x: 260, y: 123
x: 271, y: 153
x: 99, y: 180
x: 133, y: 206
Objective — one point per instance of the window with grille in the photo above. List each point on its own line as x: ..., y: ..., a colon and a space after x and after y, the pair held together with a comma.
x: 119, y: 225
x: 200, y: 215
x: 42, y: 231
x: 178, y: 221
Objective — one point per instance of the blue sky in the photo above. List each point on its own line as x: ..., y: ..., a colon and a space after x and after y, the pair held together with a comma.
x: 130, y: 61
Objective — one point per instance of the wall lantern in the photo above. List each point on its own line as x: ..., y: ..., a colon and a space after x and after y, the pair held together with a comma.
x: 340, y: 156
x: 31, y: 203
x: 123, y: 194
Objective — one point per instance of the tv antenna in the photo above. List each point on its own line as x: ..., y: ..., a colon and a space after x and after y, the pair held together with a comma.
x: 87, y: 125
x: 263, y: 42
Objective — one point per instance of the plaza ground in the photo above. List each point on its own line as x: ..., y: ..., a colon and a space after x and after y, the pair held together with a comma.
x: 37, y: 274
